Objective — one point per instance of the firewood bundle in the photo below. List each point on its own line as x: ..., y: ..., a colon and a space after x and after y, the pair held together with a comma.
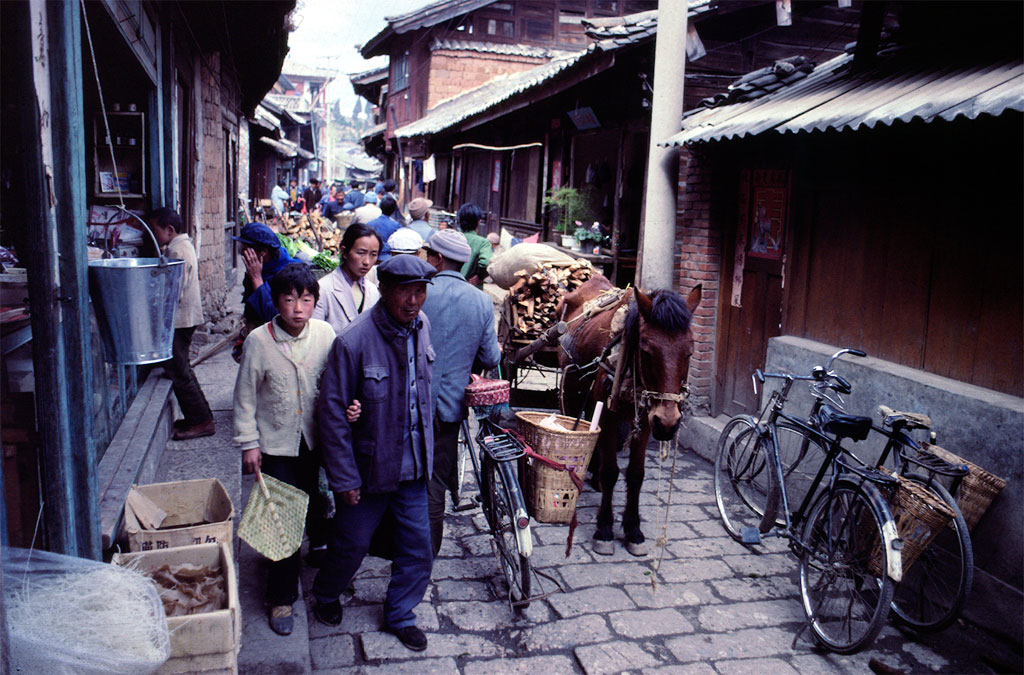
x: 532, y: 300
x: 318, y: 232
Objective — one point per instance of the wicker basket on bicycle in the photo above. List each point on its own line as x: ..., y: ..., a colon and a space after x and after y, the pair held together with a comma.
x: 919, y: 516
x: 977, y: 489
x: 551, y: 493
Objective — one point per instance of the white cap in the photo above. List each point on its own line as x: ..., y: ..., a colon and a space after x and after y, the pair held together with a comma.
x: 405, y: 240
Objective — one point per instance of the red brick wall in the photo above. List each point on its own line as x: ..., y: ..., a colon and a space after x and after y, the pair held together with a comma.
x: 453, y: 72
x: 700, y: 258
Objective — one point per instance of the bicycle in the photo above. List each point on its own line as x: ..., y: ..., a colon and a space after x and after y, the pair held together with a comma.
x: 844, y: 535
x: 935, y: 589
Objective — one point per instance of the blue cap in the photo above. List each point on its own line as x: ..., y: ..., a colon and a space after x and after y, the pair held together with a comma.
x: 258, y: 234
x: 405, y: 269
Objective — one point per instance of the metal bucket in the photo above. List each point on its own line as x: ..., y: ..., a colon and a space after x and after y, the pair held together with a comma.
x: 135, y: 300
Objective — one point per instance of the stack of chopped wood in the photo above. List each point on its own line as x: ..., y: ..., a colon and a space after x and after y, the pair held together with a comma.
x: 318, y: 232
x: 532, y: 299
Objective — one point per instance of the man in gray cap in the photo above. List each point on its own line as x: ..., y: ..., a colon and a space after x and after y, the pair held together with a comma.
x: 382, y: 462
x: 462, y: 330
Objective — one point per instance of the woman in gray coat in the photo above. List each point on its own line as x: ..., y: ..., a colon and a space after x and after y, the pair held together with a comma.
x: 345, y: 293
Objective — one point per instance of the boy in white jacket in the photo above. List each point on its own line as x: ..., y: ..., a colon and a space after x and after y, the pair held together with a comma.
x: 275, y: 400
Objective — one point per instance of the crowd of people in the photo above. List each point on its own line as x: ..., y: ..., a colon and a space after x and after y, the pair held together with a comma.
x: 361, y: 374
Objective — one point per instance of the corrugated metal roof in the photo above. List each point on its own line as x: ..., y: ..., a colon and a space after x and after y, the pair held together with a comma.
x: 475, y: 101
x: 902, y: 86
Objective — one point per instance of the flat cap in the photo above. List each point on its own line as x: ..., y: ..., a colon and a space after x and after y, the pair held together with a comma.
x: 405, y: 269
x: 450, y: 244
x: 258, y: 234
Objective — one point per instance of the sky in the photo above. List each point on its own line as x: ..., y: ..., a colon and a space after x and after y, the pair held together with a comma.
x: 327, y: 32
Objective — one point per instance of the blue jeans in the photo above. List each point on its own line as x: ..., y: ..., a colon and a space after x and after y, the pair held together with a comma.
x: 353, y: 527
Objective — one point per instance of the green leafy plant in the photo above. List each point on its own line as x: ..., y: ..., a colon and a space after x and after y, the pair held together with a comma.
x: 572, y: 207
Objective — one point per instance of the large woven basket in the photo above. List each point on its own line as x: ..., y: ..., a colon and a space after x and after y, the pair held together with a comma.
x: 977, y: 489
x: 919, y: 517
x: 551, y: 493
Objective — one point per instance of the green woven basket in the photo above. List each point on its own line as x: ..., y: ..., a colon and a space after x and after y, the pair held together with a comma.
x: 274, y: 518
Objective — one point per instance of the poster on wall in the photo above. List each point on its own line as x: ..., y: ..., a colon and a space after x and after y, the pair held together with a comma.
x: 556, y: 174
x: 496, y: 175
x: 768, y: 197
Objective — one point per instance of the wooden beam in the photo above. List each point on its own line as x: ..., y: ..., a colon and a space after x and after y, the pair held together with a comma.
x: 872, y: 16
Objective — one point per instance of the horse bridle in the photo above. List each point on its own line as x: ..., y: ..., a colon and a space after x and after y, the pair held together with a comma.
x: 679, y: 399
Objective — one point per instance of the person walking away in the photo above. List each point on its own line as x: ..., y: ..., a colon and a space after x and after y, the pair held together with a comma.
x: 367, y: 211
x: 462, y: 330
x: 197, y: 420
x: 278, y: 197
x: 385, y: 224
x: 312, y: 194
x: 383, y: 461
x: 345, y: 293
x: 274, y: 404
x: 474, y: 269
x: 403, y: 242
x: 418, y: 210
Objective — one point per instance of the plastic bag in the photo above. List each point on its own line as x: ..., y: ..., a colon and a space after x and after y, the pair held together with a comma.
x: 73, y: 615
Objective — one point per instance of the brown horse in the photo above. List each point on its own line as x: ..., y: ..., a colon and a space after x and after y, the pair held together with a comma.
x: 656, y: 346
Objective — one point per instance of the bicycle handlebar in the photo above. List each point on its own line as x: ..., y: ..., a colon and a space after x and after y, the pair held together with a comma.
x: 824, y: 376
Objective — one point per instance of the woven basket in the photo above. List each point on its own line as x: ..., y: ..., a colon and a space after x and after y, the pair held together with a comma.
x: 919, y: 517
x: 274, y: 518
x: 977, y: 489
x: 551, y: 493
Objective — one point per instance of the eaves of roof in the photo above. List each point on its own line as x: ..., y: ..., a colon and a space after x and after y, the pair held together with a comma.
x: 901, y: 86
x: 424, y: 17
x: 511, y: 49
x: 371, y: 76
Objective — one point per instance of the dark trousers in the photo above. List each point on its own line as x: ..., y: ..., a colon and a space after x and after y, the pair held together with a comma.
x: 351, y: 532
x: 183, y: 379
x: 302, y: 472
x: 445, y: 476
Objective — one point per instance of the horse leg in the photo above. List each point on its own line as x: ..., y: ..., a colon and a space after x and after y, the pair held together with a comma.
x: 635, y: 543
x: 604, y: 535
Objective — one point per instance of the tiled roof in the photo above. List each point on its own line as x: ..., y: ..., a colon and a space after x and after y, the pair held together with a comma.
x: 424, y: 17
x: 900, y: 86
x: 497, y: 48
x: 369, y: 76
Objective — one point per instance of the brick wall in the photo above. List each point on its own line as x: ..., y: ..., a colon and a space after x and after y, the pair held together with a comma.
x: 453, y: 72
x: 699, y: 262
x: 220, y: 96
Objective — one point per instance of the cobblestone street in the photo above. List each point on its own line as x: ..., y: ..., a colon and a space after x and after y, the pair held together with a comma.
x: 711, y: 606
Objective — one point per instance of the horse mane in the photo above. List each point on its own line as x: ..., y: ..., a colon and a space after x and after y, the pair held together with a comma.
x: 669, y: 312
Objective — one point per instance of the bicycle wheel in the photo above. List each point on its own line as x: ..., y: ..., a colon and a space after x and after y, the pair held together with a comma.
x: 745, y: 485
x: 935, y: 588
x: 846, y: 604
x: 514, y: 565
x: 461, y: 457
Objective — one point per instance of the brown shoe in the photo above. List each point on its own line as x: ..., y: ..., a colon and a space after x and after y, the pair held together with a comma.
x: 198, y: 431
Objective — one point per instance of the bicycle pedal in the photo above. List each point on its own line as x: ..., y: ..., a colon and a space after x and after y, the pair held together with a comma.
x: 750, y: 535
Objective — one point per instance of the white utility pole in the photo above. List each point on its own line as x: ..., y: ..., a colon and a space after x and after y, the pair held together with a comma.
x: 659, y: 228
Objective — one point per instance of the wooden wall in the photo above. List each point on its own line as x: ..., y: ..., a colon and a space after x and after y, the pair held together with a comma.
x: 908, y: 243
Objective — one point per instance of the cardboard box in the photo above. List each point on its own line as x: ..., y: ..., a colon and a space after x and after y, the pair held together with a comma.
x: 200, y: 642
x: 198, y: 512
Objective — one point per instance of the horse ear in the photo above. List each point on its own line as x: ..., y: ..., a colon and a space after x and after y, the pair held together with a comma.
x: 643, y: 303
x: 693, y: 299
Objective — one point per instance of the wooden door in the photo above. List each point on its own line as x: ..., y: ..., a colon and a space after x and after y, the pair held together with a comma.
x: 751, y: 311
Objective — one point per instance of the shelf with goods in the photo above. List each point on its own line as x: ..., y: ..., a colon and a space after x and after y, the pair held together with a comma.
x: 127, y: 140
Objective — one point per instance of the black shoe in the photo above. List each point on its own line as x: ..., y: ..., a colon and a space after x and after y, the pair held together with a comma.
x: 328, y: 612
x: 410, y: 636
x: 281, y: 620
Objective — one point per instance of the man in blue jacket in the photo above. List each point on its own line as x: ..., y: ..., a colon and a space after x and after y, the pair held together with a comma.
x: 381, y: 462
x: 462, y: 330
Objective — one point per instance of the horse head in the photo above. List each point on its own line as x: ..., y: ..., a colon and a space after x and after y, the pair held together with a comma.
x: 664, y: 344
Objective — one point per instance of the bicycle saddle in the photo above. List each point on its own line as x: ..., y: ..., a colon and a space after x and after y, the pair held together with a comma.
x: 834, y: 421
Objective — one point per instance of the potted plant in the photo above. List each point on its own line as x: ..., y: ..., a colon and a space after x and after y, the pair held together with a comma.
x: 588, y: 238
x: 572, y: 209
